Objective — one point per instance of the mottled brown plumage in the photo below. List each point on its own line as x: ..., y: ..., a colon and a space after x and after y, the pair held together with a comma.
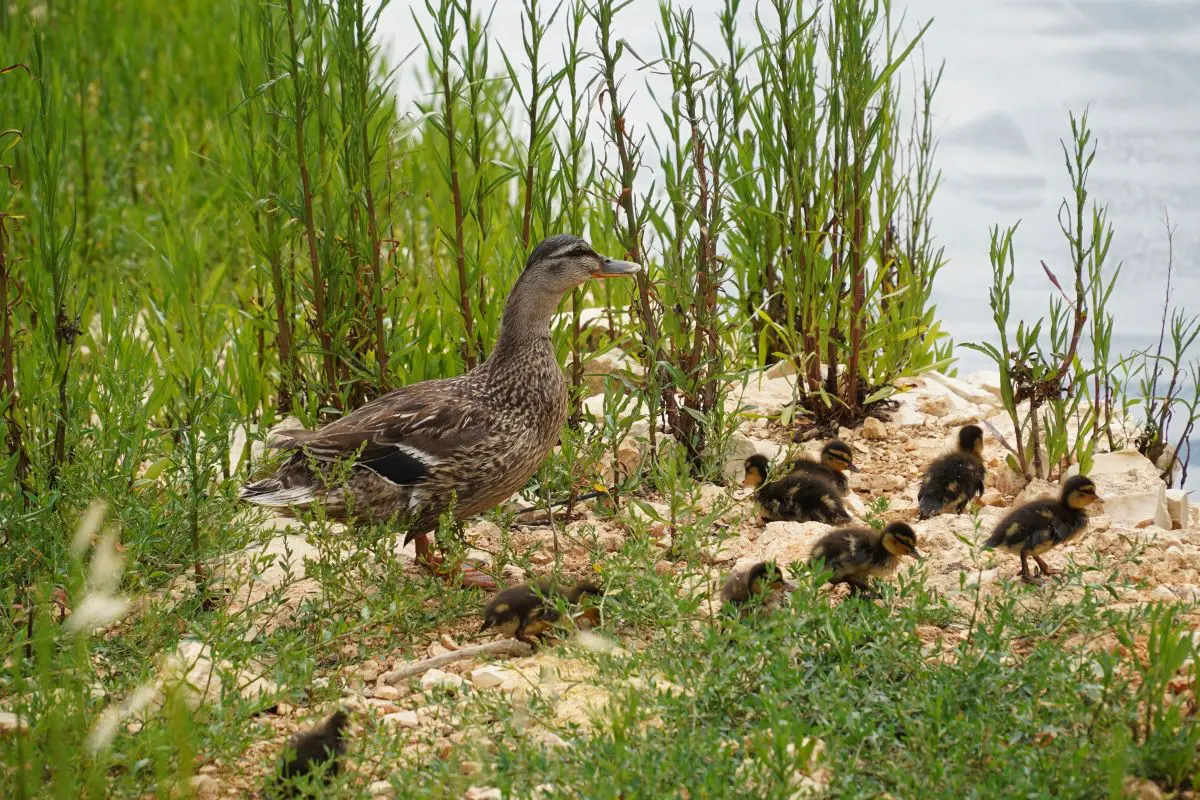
x: 796, y: 497
x: 955, y: 477
x: 855, y: 555
x: 527, y: 611
x: 469, y: 441
x: 306, y: 752
x: 1037, y: 526
x: 762, y: 582
x: 836, y: 459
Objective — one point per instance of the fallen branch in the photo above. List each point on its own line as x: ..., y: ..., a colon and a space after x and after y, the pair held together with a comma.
x: 502, y: 647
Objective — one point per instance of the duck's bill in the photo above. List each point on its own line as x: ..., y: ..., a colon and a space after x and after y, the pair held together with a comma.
x: 612, y: 268
x: 917, y: 554
x: 853, y: 468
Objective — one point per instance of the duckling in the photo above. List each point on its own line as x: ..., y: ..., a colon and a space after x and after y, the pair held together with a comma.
x: 797, y: 497
x: 1037, y: 526
x: 836, y: 459
x: 306, y: 750
x: 527, y: 610
x: 856, y: 554
x: 763, y: 580
x: 954, y: 478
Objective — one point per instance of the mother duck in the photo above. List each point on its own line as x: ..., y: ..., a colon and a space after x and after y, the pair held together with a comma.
x: 476, y: 438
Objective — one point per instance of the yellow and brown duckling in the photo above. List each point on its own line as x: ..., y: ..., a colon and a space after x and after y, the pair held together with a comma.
x: 763, y: 582
x: 796, y: 497
x: 954, y: 478
x: 1037, y: 526
x: 308, y: 751
x: 460, y: 444
x: 527, y: 611
x: 855, y: 555
x: 836, y: 460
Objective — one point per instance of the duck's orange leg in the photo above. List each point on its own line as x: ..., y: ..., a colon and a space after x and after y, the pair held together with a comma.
x: 465, y: 576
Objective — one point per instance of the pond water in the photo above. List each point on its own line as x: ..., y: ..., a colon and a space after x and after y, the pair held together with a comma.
x: 1014, y: 68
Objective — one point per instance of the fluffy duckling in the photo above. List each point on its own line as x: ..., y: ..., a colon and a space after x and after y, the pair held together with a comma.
x: 836, y: 459
x: 1039, y: 525
x: 797, y: 497
x: 526, y: 611
x: 763, y: 580
x: 308, y: 749
x: 954, y: 478
x: 856, y: 554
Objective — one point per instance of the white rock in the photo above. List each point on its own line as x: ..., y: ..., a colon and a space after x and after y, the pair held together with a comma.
x: 967, y: 391
x: 786, y: 542
x: 907, y: 415
x: 483, y: 793
x: 379, y: 789
x: 1036, y: 489
x: 1128, y: 484
x: 10, y: 722
x: 436, y: 679
x: 402, y: 719
x: 988, y: 381
x: 385, y: 692
x: 1179, y: 507
x: 490, y: 676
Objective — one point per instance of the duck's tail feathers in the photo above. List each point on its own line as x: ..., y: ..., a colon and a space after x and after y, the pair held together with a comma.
x: 272, y: 493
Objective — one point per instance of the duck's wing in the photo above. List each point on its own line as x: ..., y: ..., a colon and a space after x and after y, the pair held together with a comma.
x: 403, y: 435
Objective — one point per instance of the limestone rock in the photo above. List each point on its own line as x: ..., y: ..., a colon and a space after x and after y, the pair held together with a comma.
x: 1128, y: 484
x: 937, y: 405
x: 483, y: 793
x: 1178, y: 506
x: 965, y: 390
x: 491, y: 676
x: 11, y: 723
x: 874, y: 429
x: 386, y: 692
x: 381, y: 789
x: 1036, y: 489
x: 205, y: 787
x: 437, y: 679
x: 786, y: 542
x: 402, y: 719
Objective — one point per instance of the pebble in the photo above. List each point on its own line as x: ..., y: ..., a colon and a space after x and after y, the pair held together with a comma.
x: 448, y: 642
x: 386, y: 692
x: 488, y: 677
x: 543, y: 790
x: 470, y: 768
x: 381, y: 789
x: 483, y: 793
x: 664, y: 567
x: 436, y: 679
x: 10, y: 722
x: 874, y: 429
x: 541, y: 559
x: 402, y: 719
x: 369, y: 670
x: 205, y: 786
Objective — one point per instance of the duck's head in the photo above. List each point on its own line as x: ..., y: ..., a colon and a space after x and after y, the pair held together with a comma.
x: 560, y: 263
x: 838, y: 456
x: 334, y: 725
x: 756, y: 470
x: 900, y: 539
x: 555, y: 267
x: 765, y: 577
x: 1078, y: 492
x: 970, y: 439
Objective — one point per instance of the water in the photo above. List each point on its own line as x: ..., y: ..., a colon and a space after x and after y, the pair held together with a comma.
x: 1013, y: 70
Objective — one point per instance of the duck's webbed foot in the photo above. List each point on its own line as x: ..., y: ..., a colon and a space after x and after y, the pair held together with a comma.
x: 1026, y: 575
x: 464, y: 575
x: 860, y: 588
x: 1044, y: 568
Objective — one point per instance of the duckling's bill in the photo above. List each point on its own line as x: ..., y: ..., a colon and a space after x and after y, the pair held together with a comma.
x: 612, y: 268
